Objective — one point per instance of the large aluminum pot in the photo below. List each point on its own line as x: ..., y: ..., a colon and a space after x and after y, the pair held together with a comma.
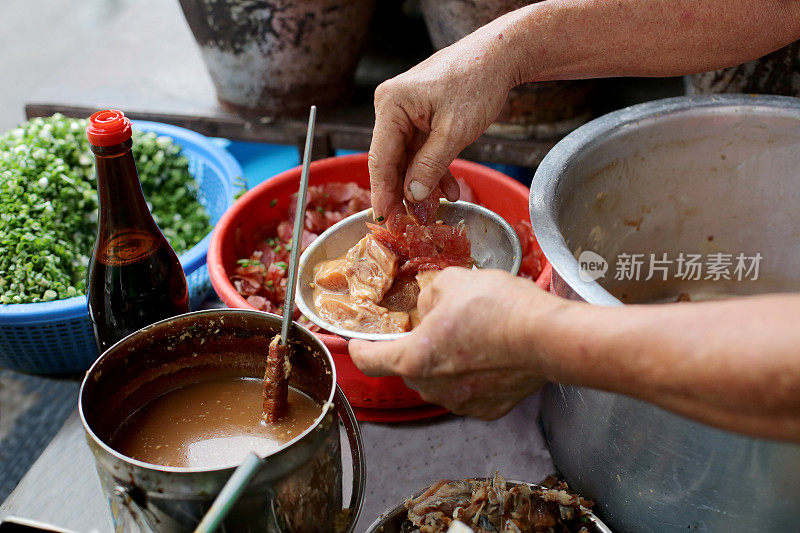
x: 298, y: 488
x: 702, y: 175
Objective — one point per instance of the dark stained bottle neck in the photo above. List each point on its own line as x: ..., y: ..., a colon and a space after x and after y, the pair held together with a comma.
x: 122, y: 203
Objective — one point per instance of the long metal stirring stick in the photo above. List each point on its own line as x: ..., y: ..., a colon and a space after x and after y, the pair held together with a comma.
x: 297, y: 235
x: 245, y: 471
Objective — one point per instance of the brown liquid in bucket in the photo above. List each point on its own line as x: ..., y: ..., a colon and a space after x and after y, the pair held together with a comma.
x: 210, y: 424
x: 198, y: 357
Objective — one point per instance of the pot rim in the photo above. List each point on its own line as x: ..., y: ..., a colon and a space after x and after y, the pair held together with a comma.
x: 327, y: 407
x: 568, y: 152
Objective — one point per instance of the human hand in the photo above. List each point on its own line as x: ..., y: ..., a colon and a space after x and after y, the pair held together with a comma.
x: 426, y: 116
x: 468, y: 352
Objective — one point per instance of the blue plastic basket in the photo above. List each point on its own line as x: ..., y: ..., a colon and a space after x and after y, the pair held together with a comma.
x: 56, y: 337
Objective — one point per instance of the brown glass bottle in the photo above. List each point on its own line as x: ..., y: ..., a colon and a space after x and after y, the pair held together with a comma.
x: 135, y: 277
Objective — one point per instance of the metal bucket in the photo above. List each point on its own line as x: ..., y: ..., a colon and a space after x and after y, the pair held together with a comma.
x: 705, y: 175
x: 299, y: 486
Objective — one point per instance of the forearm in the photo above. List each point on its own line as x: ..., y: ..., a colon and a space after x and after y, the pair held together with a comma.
x: 734, y: 364
x: 572, y: 39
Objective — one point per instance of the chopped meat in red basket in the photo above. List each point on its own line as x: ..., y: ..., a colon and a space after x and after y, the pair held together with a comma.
x: 533, y: 260
x: 385, y: 271
x: 261, y: 278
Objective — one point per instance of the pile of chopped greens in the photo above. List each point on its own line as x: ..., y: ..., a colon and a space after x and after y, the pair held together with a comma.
x: 48, y: 205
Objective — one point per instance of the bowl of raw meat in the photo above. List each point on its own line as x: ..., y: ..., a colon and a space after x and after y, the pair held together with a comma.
x: 361, y: 280
x: 250, y: 247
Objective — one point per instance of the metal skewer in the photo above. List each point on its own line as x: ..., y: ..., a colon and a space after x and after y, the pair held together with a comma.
x: 242, y: 475
x: 297, y: 234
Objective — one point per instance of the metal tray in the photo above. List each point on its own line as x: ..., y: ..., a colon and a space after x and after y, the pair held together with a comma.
x: 392, y: 520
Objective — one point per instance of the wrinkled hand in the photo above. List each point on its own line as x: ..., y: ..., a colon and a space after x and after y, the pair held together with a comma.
x: 426, y: 116
x: 466, y: 354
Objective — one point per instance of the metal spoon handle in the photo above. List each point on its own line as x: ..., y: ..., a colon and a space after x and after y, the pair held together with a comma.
x: 297, y: 235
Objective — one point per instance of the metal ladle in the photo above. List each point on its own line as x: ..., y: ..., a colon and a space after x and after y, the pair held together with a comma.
x: 244, y: 472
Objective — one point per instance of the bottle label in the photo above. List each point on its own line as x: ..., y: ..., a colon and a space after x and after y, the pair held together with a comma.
x: 128, y: 246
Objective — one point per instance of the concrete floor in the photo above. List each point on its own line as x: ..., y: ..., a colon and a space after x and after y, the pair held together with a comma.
x: 36, y: 36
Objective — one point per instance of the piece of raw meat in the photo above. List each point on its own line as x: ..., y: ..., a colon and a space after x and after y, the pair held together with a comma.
x: 371, y: 269
x: 332, y: 275
x: 402, y: 295
x: 364, y: 316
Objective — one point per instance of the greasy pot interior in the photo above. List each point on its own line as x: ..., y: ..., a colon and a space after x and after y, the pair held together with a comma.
x: 701, y: 180
x: 192, y: 348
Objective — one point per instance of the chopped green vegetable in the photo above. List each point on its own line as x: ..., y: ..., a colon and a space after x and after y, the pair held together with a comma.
x: 380, y: 219
x: 320, y: 209
x: 48, y: 205
x: 239, y: 182
x: 274, y: 202
x: 248, y: 262
x: 282, y: 265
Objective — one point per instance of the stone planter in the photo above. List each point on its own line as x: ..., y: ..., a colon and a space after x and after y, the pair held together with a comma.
x: 775, y: 73
x: 278, y: 57
x: 541, y: 109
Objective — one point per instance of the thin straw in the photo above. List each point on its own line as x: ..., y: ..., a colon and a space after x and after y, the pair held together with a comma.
x: 297, y: 235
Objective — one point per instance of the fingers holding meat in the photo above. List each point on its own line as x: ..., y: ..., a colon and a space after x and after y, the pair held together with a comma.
x: 425, y: 117
x: 460, y: 355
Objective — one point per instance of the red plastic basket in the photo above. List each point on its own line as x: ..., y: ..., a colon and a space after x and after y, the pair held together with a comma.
x: 377, y: 399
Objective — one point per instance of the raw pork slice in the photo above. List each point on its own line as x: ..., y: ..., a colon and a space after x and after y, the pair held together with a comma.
x: 371, y: 270
x: 362, y: 316
x: 332, y: 275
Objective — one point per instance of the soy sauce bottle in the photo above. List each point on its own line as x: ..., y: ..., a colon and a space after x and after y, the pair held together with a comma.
x: 135, y: 278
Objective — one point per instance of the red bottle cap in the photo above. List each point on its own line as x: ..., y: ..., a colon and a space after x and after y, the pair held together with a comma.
x: 107, y: 128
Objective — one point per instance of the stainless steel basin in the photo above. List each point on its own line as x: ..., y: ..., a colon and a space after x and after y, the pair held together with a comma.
x: 696, y: 175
